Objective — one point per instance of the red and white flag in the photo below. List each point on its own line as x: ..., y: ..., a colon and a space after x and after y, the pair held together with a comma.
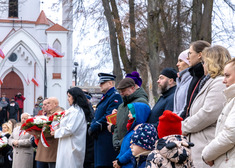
x: 1, y: 82
x: 2, y: 54
x: 43, y: 50
x: 34, y: 80
x: 54, y: 53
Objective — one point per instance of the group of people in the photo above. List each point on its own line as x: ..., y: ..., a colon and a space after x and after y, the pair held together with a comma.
x: 194, y: 115
x: 191, y: 124
x: 11, y: 109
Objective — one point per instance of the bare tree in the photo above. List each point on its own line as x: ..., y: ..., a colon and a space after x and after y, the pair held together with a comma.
x: 202, y: 20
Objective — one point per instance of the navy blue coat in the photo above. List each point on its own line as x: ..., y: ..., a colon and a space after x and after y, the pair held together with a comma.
x: 141, y: 163
x: 165, y: 102
x: 104, y: 151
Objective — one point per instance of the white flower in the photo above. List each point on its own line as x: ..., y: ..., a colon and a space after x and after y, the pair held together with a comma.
x: 3, y: 141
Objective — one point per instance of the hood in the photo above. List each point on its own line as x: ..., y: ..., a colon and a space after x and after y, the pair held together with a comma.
x: 175, y: 148
x: 142, y: 112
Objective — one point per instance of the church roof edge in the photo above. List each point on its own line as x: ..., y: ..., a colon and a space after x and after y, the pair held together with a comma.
x: 56, y: 27
x: 42, y: 19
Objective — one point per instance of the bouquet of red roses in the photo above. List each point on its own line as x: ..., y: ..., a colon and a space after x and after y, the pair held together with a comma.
x: 36, y: 123
x: 55, y: 119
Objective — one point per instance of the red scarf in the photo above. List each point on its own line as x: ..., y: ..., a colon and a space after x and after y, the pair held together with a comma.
x: 129, y: 123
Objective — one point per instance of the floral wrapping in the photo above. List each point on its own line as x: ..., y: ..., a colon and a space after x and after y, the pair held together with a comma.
x: 171, y: 152
x: 3, y: 142
x: 35, y: 123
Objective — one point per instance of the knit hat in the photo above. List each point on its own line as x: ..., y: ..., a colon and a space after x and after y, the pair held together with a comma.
x: 132, y: 109
x: 125, y: 83
x: 184, y: 55
x: 169, y: 124
x: 136, y: 77
x: 170, y: 73
x: 145, y: 136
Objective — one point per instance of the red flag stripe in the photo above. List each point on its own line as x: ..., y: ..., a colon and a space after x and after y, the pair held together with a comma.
x: 2, y: 54
x: 54, y: 53
x: 35, y: 81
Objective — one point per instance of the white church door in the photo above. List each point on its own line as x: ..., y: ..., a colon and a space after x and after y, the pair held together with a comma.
x: 12, y: 84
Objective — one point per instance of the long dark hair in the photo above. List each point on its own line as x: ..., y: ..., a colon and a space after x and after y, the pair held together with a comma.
x: 80, y: 99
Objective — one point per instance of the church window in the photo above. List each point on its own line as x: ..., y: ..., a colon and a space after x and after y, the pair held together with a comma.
x: 13, y: 8
x: 13, y: 57
x: 57, y: 61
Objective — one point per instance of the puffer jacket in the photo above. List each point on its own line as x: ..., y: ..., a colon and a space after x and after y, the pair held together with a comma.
x: 172, y: 151
x: 142, y: 112
x: 222, y: 148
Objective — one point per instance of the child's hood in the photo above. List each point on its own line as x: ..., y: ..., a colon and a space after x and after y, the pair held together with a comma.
x: 142, y: 112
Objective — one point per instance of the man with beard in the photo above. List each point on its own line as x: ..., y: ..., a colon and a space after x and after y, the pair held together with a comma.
x: 166, y: 87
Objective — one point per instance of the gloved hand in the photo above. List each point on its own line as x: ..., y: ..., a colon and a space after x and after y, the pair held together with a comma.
x: 93, y: 130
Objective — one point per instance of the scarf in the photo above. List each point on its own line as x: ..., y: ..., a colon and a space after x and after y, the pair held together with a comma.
x: 129, y: 123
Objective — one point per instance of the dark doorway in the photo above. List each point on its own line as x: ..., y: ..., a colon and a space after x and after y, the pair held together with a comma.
x: 12, y: 84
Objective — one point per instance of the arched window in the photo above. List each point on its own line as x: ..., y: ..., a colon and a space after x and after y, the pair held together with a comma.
x: 13, y: 8
x: 57, y: 61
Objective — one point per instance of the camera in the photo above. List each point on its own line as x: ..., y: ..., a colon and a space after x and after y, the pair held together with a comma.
x: 19, y: 95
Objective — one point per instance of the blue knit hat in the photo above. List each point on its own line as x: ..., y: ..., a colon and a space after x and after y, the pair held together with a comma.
x: 145, y: 136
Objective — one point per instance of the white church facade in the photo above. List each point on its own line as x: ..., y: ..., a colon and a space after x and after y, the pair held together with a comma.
x: 24, y: 31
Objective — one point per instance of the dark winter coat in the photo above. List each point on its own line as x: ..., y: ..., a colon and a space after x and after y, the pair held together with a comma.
x: 197, y: 72
x: 140, y: 160
x: 122, y: 116
x: 104, y: 152
x: 142, y: 112
x: 172, y: 151
x: 13, y: 110
x: 165, y: 102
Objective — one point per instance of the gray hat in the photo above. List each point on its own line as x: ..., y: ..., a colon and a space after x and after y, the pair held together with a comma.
x: 106, y: 77
x: 125, y: 83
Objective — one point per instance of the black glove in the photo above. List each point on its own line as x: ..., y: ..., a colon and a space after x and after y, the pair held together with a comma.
x: 92, y: 134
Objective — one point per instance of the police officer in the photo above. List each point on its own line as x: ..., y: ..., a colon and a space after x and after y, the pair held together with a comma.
x: 111, y: 99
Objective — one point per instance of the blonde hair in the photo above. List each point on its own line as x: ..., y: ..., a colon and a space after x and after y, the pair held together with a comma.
x: 215, y: 59
x: 8, y: 126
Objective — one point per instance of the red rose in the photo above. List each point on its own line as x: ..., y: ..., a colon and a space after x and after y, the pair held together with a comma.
x: 30, y: 120
x: 23, y: 125
x: 51, y: 118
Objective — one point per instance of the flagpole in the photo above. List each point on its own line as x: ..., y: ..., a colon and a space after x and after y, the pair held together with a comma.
x: 45, y: 78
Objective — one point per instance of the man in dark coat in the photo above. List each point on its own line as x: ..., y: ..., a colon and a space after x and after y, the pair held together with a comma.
x: 166, y: 87
x: 111, y: 99
x: 12, y: 110
x: 130, y: 94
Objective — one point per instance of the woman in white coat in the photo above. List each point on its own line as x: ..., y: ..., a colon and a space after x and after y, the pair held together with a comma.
x: 220, y: 152
x: 72, y: 131
x: 208, y: 104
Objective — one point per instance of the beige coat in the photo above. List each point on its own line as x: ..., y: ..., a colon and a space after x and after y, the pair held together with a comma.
x: 48, y: 154
x: 222, y: 148
x: 23, y: 154
x: 204, y: 112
